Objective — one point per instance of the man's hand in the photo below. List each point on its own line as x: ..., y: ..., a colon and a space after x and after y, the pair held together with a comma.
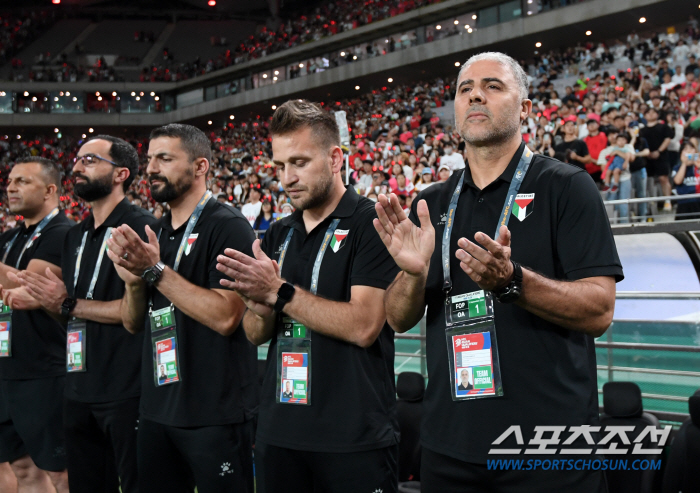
x: 128, y: 250
x: 260, y: 309
x: 257, y: 279
x: 19, y: 299
x: 491, y: 268
x: 654, y: 154
x: 410, y: 246
x: 49, y: 291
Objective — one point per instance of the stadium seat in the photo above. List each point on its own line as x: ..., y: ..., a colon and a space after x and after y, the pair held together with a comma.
x: 682, y: 467
x: 622, y: 404
x: 410, y: 388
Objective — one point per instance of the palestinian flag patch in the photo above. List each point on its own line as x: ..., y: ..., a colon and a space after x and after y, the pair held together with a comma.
x: 190, y: 243
x: 524, y: 205
x: 338, y: 240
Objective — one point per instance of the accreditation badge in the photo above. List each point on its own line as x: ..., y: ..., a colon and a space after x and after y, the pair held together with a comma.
x: 75, y: 346
x: 166, y: 362
x: 470, y: 332
x: 293, y: 363
x: 5, y: 331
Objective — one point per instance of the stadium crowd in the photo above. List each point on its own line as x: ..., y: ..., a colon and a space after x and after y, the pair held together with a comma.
x: 604, y: 120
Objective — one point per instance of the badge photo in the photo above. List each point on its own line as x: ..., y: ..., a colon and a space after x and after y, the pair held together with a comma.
x: 524, y: 205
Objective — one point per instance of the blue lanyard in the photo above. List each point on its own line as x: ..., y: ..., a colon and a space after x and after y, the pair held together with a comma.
x: 516, y: 181
x: 319, y: 256
x: 191, y: 223
x: 96, y: 272
x: 34, y: 236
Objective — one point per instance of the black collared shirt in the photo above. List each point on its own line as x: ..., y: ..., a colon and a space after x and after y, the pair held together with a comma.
x: 38, y: 341
x: 353, y: 397
x: 548, y: 372
x: 113, y: 355
x: 218, y: 374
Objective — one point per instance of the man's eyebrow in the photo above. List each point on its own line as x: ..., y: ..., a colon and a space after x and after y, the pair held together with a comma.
x: 159, y: 154
x: 485, y: 79
x: 291, y: 159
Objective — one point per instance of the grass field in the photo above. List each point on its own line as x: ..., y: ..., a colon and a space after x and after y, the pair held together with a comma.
x: 674, y: 333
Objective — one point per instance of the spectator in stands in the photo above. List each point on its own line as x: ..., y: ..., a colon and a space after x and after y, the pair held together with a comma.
x: 658, y: 136
x: 265, y: 218
x: 686, y: 179
x: 575, y: 150
x: 595, y: 142
x: 443, y: 173
x: 453, y: 160
x: 251, y: 210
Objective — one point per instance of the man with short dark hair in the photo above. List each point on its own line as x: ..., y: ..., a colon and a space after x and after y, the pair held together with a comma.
x: 314, y: 290
x: 103, y: 383
x: 196, y: 425
x: 33, y: 363
x: 575, y: 149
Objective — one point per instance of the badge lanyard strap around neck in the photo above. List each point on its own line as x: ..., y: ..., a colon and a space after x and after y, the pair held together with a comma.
x: 96, y: 272
x: 516, y: 181
x: 34, y: 236
x: 319, y: 256
x: 191, y: 223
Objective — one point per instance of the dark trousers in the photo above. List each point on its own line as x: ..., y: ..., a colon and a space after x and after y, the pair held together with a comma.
x: 217, y: 459
x: 443, y: 474
x: 101, y: 446
x: 283, y: 470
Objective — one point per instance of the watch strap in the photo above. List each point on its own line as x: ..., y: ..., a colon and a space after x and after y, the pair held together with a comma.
x: 284, y: 296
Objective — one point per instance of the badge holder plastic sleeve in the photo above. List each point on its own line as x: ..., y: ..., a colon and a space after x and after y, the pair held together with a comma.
x: 76, y: 334
x: 293, y: 363
x: 165, y: 347
x: 472, y: 346
x: 5, y: 331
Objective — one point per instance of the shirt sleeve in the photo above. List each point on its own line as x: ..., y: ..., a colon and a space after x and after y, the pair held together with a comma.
x: 50, y: 247
x: 236, y: 233
x: 585, y: 243
x: 583, y: 148
x: 372, y: 264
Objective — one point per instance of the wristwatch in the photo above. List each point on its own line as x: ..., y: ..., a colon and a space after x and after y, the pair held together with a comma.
x: 67, y: 306
x: 511, y: 291
x: 284, y: 296
x: 152, y: 274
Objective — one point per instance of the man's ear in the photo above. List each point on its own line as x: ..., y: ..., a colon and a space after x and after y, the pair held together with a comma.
x: 201, y: 166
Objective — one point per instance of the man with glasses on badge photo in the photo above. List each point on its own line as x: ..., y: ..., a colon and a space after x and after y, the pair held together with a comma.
x: 192, y: 323
x: 101, y: 408
x: 527, y: 237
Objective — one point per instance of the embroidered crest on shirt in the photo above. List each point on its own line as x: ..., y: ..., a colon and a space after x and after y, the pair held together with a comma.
x: 190, y: 243
x: 338, y: 240
x: 524, y: 205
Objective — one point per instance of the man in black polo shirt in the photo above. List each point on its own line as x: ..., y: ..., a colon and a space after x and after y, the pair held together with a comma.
x: 103, y: 383
x: 540, y: 369
x: 32, y: 364
x: 196, y: 423
x: 658, y: 135
x: 323, y: 314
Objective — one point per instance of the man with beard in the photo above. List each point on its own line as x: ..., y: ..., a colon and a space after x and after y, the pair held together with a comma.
x: 196, y: 423
x: 314, y: 290
x: 532, y: 233
x: 32, y: 363
x: 103, y: 384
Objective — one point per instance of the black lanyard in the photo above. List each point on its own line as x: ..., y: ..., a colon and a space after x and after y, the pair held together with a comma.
x: 516, y: 181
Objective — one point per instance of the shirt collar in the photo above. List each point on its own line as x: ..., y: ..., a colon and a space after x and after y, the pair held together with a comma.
x: 507, y: 174
x: 167, y: 218
x: 113, y: 220
x: 345, y: 208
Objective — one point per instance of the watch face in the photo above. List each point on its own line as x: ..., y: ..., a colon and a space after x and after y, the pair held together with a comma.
x: 150, y: 276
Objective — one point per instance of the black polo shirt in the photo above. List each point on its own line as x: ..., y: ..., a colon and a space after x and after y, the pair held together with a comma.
x: 218, y: 374
x: 113, y: 355
x: 548, y: 372
x: 38, y: 341
x: 353, y: 398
